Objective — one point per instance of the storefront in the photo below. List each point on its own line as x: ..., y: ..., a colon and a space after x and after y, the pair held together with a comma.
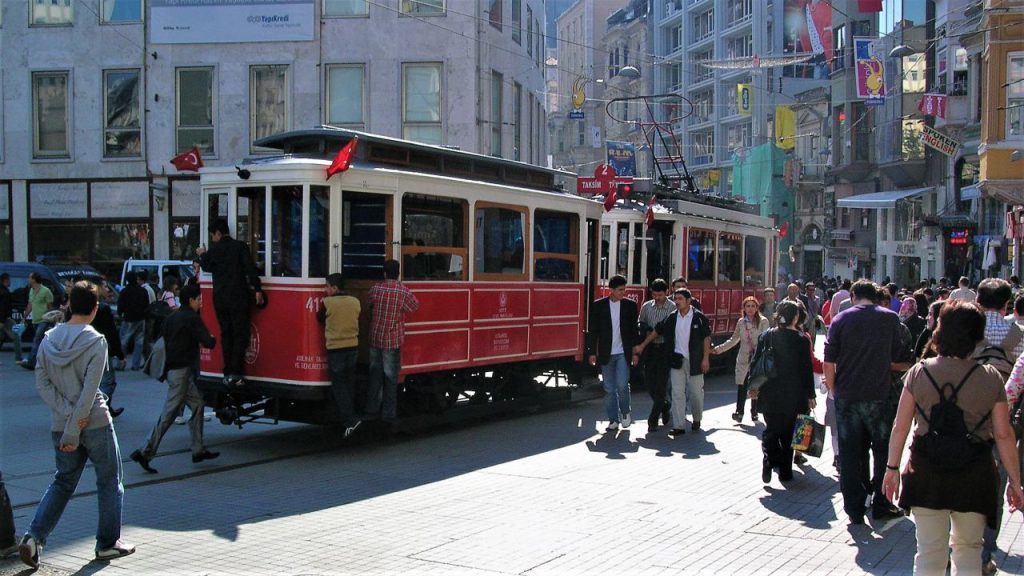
x: 6, y: 231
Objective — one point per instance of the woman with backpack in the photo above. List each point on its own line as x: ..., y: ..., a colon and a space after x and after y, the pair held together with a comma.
x: 958, y: 409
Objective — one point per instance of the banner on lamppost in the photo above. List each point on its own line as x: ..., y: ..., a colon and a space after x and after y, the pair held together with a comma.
x: 869, y: 59
x: 622, y: 157
x: 744, y: 98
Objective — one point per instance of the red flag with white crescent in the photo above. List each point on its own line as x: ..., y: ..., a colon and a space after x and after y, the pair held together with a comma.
x: 609, y: 200
x: 650, y: 211
x: 343, y: 159
x: 189, y: 160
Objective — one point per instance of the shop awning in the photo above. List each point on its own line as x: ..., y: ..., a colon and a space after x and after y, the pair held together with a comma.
x: 1009, y: 191
x: 876, y: 200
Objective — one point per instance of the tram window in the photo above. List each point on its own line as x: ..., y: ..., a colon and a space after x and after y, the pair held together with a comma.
x: 753, y: 261
x: 286, y: 231
x: 622, y: 255
x: 555, y: 246
x: 217, y: 204
x: 729, y: 246
x: 638, y: 249
x: 659, y: 251
x: 700, y: 258
x: 319, y: 231
x: 249, y: 223
x: 500, y: 243
x: 433, y: 237
x: 606, y: 234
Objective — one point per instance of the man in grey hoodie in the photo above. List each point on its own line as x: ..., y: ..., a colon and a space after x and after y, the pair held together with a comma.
x: 70, y: 364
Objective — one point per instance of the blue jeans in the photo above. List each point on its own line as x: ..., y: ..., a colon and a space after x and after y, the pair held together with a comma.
x: 99, y: 446
x: 383, y: 392
x: 341, y: 367
x: 615, y: 377
x: 133, y: 337
x: 37, y: 339
x: 108, y: 383
x: 863, y: 425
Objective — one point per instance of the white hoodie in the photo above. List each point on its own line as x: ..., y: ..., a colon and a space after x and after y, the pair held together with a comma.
x: 69, y: 367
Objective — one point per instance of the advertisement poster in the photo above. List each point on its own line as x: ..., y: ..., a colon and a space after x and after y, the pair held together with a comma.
x: 869, y: 59
x: 622, y: 157
x: 807, y: 28
x: 207, y: 21
x: 744, y: 98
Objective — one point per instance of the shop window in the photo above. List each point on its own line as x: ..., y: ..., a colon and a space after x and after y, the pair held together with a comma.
x: 700, y: 260
x: 59, y: 242
x: 268, y: 99
x: 121, y: 11
x: 345, y: 89
x: 500, y: 243
x: 50, y: 115
x: 319, y: 231
x: 729, y: 257
x: 421, y: 102
x: 346, y: 8
x: 194, y: 119
x: 249, y: 223
x: 286, y: 231
x: 122, y: 131
x: 433, y: 237
x: 555, y: 246
x: 754, y: 261
x: 114, y: 243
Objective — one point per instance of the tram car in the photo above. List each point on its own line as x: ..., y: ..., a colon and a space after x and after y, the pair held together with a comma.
x: 494, y: 250
x: 724, y: 249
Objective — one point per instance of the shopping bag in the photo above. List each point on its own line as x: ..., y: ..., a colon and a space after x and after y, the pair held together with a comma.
x: 808, y: 435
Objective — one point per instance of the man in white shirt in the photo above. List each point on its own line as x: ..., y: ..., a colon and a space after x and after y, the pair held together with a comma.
x: 611, y: 335
x: 964, y: 292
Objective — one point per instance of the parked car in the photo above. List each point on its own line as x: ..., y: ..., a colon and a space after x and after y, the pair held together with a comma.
x: 53, y: 276
x: 182, y: 269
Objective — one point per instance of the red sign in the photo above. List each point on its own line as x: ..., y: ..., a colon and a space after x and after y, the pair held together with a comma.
x: 605, y: 172
x: 600, y: 186
x: 933, y: 105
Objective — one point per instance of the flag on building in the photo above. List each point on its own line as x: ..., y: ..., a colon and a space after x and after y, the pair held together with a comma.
x: 189, y: 160
x: 343, y: 160
x: 744, y: 98
x: 785, y: 127
x: 933, y: 105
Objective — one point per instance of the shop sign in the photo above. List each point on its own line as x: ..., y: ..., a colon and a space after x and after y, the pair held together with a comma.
x: 907, y: 249
x: 959, y: 236
x: 58, y: 200
x: 120, y: 199
x: 185, y: 198
x: 939, y: 141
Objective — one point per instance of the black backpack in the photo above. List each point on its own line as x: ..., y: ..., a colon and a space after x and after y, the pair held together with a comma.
x: 156, y: 313
x: 948, y: 445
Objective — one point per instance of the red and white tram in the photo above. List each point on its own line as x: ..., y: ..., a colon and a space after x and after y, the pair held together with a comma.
x: 493, y: 249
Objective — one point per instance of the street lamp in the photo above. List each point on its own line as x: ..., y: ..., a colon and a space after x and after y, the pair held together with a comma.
x: 630, y: 72
x: 902, y: 51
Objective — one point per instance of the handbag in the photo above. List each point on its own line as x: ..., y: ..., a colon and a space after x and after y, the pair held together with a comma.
x: 808, y: 435
x: 762, y: 367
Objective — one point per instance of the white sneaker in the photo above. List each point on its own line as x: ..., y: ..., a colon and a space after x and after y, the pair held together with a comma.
x: 180, y: 420
x: 612, y: 427
x: 118, y: 550
x: 627, y: 420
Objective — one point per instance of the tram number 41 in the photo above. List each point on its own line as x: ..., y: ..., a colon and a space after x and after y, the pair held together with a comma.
x: 313, y: 303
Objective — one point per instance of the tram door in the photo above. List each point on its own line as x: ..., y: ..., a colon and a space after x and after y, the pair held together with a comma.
x: 365, y: 234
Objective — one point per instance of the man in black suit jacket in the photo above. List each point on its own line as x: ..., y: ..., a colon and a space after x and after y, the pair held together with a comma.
x: 611, y: 335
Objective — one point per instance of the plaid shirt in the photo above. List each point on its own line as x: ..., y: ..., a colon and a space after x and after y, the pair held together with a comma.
x: 996, y: 329
x: 389, y: 302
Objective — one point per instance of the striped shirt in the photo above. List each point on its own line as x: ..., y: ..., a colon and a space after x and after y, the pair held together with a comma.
x: 651, y: 315
x: 389, y: 302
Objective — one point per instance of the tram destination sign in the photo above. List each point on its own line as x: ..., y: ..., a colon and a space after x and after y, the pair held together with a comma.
x: 585, y: 185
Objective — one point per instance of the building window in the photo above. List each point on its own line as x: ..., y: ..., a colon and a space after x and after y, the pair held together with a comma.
x: 421, y: 102
x: 839, y: 47
x: 739, y: 11
x: 494, y: 14
x: 1015, y: 96
x: 50, y: 115
x: 529, y: 31
x: 122, y: 132
x: 346, y: 8
x: 517, y: 120
x: 703, y: 25
x: 740, y: 47
x: 537, y: 41
x: 517, y: 21
x: 119, y: 11
x: 194, y: 113
x: 423, y: 7
x: 268, y: 100
x: 345, y: 90
x: 52, y: 13
x: 496, y: 105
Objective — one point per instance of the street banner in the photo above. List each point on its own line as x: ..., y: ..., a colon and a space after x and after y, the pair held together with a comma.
x: 939, y: 141
x: 745, y: 98
x: 622, y: 157
x: 785, y: 127
x: 210, y: 21
x: 933, y: 105
x: 869, y: 60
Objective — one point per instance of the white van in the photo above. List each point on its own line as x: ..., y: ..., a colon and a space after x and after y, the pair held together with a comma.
x: 180, y: 268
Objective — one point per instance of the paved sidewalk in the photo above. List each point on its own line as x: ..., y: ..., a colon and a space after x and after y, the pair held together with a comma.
x: 540, y: 494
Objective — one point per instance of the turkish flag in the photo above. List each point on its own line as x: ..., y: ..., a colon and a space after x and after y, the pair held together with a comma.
x: 344, y: 158
x: 609, y: 200
x: 650, y: 211
x: 189, y: 160
x: 867, y: 6
x: 784, y: 229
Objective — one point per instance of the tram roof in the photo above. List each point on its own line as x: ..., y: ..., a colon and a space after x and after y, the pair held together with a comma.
x: 324, y: 142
